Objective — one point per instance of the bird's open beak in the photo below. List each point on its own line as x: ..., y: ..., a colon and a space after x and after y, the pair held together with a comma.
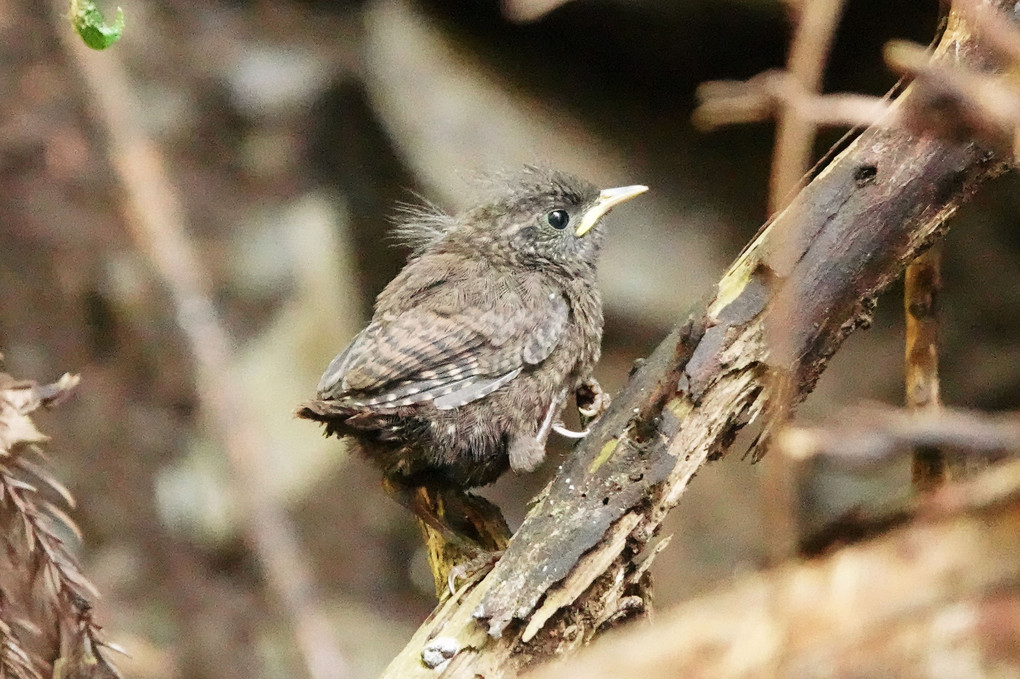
x: 608, y: 199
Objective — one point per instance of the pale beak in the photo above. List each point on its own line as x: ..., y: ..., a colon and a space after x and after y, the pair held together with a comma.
x: 608, y: 199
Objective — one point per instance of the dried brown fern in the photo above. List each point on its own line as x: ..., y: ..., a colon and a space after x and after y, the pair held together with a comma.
x: 46, y: 626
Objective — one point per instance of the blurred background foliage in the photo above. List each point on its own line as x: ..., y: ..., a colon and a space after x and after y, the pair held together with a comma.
x: 290, y: 129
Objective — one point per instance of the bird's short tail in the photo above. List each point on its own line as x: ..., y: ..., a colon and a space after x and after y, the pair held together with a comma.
x: 330, y: 413
x: 314, y: 410
x: 344, y: 419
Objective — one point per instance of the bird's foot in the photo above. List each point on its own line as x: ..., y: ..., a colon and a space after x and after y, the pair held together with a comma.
x: 592, y: 401
x: 472, y: 570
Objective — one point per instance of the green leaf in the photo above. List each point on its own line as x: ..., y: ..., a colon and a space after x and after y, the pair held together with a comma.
x: 91, y: 26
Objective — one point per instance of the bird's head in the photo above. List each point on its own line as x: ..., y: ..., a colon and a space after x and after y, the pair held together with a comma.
x: 535, y: 218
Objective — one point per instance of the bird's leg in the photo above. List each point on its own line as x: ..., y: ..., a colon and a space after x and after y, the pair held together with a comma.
x: 527, y: 452
x: 479, y: 522
x: 463, y: 519
x: 464, y: 533
x: 551, y: 420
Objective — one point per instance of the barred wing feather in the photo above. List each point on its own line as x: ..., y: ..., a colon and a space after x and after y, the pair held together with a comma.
x: 421, y: 355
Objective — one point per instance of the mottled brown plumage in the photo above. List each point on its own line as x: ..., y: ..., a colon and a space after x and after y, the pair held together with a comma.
x: 476, y: 344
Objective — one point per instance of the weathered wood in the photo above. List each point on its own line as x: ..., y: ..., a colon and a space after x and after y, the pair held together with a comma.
x: 842, y: 240
x: 855, y: 613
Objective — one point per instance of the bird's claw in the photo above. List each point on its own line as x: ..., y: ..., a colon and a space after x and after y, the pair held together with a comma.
x: 562, y: 430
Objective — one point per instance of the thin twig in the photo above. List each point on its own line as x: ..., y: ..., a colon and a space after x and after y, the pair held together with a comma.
x: 795, y: 136
x: 867, y: 436
x: 526, y: 11
x: 922, y: 286
x: 157, y: 226
x: 760, y: 98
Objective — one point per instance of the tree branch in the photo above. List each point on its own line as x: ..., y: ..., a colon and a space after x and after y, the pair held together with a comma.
x: 572, y: 569
x: 868, y: 436
x: 857, y: 612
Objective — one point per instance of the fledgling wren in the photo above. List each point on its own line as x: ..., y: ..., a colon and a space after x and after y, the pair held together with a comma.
x: 477, y: 343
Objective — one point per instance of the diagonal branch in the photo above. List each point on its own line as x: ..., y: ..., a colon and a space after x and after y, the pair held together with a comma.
x: 571, y: 570
x: 857, y: 612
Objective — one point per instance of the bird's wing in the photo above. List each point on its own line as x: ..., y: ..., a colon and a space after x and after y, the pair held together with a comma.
x: 450, y: 359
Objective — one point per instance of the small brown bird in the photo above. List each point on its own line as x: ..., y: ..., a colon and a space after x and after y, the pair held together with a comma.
x: 477, y: 343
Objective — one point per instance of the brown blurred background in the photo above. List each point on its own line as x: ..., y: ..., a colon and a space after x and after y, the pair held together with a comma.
x: 290, y: 129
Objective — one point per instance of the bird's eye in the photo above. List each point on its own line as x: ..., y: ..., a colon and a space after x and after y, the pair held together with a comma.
x: 557, y: 219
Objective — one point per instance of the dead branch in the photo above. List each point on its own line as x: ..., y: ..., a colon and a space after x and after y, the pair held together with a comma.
x: 951, y: 99
x: 732, y: 102
x: 869, y: 436
x: 856, y: 612
x: 795, y: 135
x: 922, y: 285
x: 573, y: 569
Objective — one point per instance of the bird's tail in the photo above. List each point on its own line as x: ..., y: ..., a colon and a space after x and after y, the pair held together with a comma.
x: 330, y: 413
x: 344, y: 419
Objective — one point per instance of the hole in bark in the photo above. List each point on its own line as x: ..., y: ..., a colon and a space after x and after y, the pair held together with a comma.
x: 865, y: 175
